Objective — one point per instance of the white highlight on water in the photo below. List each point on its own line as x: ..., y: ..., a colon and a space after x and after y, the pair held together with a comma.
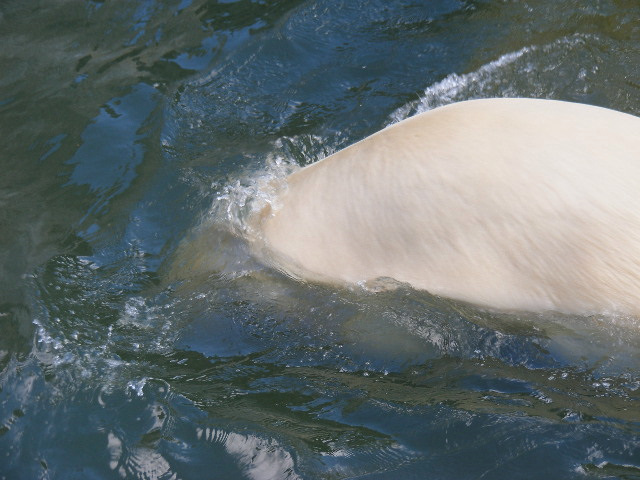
x: 481, y: 83
x: 259, y: 458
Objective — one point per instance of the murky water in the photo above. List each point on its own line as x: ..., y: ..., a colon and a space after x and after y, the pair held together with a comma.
x: 140, y: 339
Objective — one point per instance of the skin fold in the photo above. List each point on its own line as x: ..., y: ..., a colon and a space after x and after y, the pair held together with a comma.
x: 513, y: 204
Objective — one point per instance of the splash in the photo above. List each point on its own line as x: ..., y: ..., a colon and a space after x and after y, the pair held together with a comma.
x: 514, y: 74
x: 223, y: 241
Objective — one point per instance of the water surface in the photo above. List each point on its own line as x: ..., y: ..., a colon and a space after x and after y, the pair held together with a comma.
x: 140, y: 339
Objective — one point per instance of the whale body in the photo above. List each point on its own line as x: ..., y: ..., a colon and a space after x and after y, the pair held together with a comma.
x: 510, y: 204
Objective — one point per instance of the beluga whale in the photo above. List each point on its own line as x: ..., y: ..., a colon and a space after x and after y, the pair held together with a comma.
x: 509, y: 204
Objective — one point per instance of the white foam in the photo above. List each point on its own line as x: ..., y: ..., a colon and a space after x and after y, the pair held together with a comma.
x: 217, y: 244
x: 249, y: 194
x: 488, y: 81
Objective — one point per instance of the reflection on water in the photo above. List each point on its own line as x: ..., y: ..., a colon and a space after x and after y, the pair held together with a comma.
x: 139, y: 338
x: 111, y: 149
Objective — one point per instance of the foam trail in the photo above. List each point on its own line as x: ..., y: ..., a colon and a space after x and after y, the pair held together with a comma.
x: 486, y: 81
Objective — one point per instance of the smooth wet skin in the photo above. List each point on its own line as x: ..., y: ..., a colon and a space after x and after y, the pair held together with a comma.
x: 513, y: 204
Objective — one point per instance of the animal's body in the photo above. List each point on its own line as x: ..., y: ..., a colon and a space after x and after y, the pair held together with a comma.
x: 513, y: 204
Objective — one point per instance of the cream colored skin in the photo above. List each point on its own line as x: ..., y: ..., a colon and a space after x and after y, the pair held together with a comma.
x: 512, y: 204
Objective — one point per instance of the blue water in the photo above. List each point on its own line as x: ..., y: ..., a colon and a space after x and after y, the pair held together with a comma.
x: 140, y: 339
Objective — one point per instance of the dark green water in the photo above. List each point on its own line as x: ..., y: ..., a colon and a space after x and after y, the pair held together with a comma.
x: 139, y: 339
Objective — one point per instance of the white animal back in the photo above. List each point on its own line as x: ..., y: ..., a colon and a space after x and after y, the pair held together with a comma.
x: 506, y: 203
